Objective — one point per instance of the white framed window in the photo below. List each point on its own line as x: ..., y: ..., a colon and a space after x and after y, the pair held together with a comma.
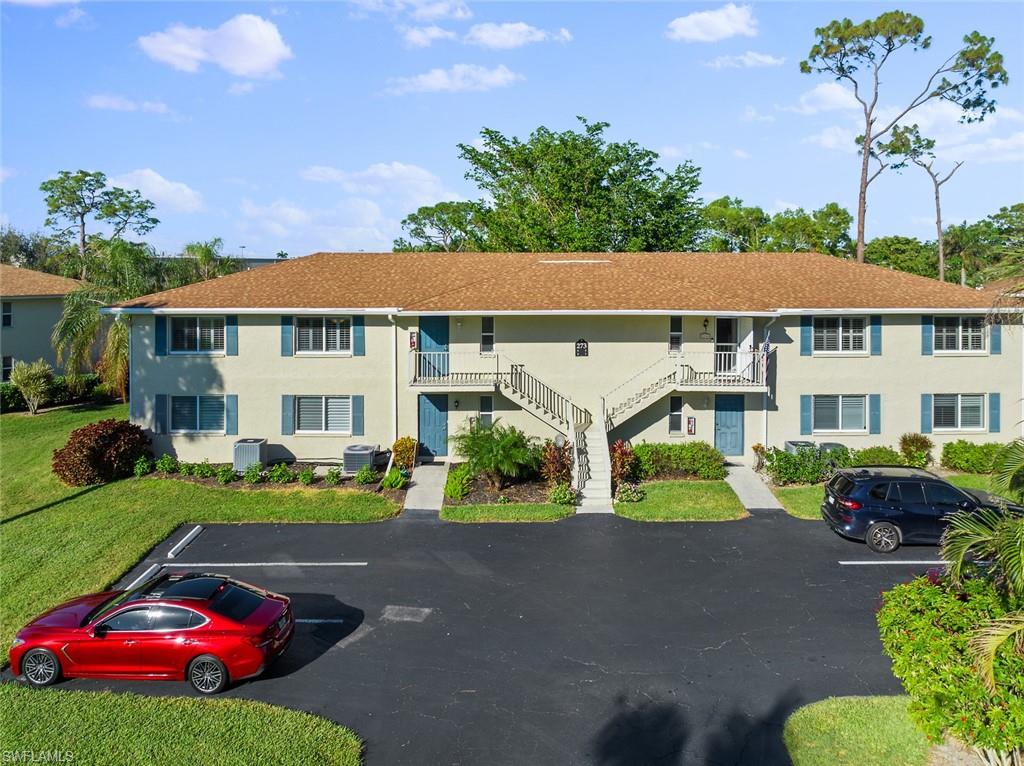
x: 323, y: 415
x: 675, y: 335
x: 487, y: 410
x: 8, y: 313
x: 8, y: 366
x: 675, y: 414
x: 955, y: 412
x: 486, y: 335
x: 959, y: 334
x: 839, y: 412
x: 323, y: 335
x: 197, y: 414
x: 197, y: 335
x: 839, y: 335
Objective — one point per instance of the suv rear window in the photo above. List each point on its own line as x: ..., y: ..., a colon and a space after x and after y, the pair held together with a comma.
x: 841, y: 485
x: 235, y: 603
x: 880, y: 491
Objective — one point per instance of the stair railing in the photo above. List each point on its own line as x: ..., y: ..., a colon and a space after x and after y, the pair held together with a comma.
x: 561, y: 407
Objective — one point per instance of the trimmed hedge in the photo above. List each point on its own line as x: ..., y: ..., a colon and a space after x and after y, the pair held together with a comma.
x: 807, y: 466
x: 693, y: 458
x: 968, y: 457
x: 11, y: 399
x: 100, y: 452
x: 877, y: 456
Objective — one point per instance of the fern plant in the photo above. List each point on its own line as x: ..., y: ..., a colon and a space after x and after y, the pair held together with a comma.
x: 497, y: 452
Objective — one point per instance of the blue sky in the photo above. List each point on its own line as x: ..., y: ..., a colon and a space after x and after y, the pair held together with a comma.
x: 306, y: 126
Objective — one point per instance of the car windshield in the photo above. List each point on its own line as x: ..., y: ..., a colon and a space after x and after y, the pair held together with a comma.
x: 234, y: 602
x: 107, y: 606
x: 841, y: 485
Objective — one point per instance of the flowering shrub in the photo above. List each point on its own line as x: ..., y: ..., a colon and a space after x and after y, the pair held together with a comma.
x: 630, y: 493
x: 563, y: 494
x: 100, y: 452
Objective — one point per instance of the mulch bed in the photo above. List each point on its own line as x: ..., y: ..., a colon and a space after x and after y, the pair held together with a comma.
x: 517, y: 491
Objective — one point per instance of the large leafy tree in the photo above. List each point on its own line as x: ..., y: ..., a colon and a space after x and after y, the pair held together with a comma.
x: 908, y: 146
x: 31, y: 251
x: 577, y: 191
x: 730, y: 226
x: 444, y: 227
x: 903, y: 254
x: 857, y: 54
x: 74, y: 200
x: 125, y: 270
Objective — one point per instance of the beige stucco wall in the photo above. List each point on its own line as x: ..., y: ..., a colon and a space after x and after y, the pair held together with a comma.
x: 619, y: 347
x: 900, y: 375
x: 28, y: 338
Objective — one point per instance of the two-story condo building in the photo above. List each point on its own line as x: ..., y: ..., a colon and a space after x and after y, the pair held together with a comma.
x: 333, y: 349
x: 32, y: 303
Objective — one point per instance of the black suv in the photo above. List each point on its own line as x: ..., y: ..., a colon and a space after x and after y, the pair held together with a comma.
x: 886, y: 506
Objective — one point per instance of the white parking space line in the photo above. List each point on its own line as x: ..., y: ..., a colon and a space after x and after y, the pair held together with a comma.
x: 144, y: 576
x: 893, y: 563
x: 200, y: 564
x: 309, y: 621
x: 183, y: 543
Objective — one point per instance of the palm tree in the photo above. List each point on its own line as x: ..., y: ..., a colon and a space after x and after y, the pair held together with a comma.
x: 209, y: 262
x: 125, y: 270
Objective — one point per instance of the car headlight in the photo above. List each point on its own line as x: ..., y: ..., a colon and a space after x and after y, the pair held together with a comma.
x: 17, y: 642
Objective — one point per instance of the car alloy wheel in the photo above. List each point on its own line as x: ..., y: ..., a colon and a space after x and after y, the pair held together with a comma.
x: 40, y: 667
x: 206, y: 675
x: 884, y: 538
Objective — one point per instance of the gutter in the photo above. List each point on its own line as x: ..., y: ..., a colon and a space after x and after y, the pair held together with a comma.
x: 246, y: 310
x: 394, y: 378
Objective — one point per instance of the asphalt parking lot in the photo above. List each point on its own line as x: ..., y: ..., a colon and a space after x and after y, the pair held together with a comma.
x: 596, y: 640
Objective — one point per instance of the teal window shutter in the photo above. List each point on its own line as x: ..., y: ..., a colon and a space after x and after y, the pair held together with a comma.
x: 161, y: 335
x: 286, y: 336
x: 806, y: 336
x: 927, y: 328
x: 876, y: 335
x: 287, y: 415
x: 875, y: 413
x: 358, y: 425
x: 805, y: 414
x: 160, y: 412
x: 996, y: 339
x: 358, y: 336
x: 926, y: 413
x: 993, y: 413
x: 231, y: 335
x: 231, y: 414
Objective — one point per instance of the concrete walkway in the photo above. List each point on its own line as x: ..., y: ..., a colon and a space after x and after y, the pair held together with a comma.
x: 751, y: 490
x: 426, y: 491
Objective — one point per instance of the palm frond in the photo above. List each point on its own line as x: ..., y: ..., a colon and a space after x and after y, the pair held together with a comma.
x: 1008, y: 547
x: 114, y: 357
x: 968, y: 535
x: 1009, y: 475
x: 984, y: 644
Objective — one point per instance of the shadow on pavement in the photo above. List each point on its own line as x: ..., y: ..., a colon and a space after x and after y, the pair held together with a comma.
x: 311, y: 641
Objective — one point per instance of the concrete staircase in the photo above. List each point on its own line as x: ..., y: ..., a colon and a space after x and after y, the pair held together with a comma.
x: 596, y: 495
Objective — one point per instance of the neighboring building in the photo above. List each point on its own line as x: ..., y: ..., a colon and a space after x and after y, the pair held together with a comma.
x: 332, y: 349
x: 32, y: 304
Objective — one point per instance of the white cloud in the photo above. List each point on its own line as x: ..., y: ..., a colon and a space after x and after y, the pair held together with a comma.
x: 351, y: 224
x: 278, y: 10
x: 746, y: 60
x: 71, y: 17
x: 115, y: 103
x: 420, y: 10
x: 834, y: 137
x: 245, y: 46
x: 424, y: 37
x: 457, y: 79
x: 740, y: 154
x: 710, y: 26
x: 670, y: 152
x: 174, y: 195
x: 277, y: 218
x: 994, y: 149
x: 5, y: 173
x: 412, y: 184
x: 241, y: 88
x: 750, y: 114
x: 825, y: 97
x: 512, y: 35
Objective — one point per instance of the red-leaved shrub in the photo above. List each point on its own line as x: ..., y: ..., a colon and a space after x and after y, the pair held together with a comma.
x: 100, y: 452
x: 556, y: 463
x: 625, y: 466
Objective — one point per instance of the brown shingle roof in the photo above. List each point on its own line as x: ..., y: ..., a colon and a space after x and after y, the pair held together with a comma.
x: 527, y: 282
x: 17, y: 282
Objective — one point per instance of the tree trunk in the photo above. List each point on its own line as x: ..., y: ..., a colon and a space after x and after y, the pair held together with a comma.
x: 862, y: 197
x: 81, y: 245
x: 938, y: 232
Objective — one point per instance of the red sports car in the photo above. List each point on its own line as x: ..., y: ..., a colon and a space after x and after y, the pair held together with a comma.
x: 205, y: 628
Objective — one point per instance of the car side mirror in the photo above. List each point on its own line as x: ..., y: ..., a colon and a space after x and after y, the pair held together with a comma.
x: 100, y: 631
x: 965, y: 505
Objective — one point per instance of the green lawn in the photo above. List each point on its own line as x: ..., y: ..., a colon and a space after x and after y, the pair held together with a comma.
x: 855, y: 731
x: 684, y: 501
x: 971, y: 480
x: 59, y: 542
x: 498, y: 512
x: 804, y: 502
x: 102, y: 727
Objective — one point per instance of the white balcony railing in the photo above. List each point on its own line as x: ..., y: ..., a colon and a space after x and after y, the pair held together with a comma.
x: 453, y: 368
x: 722, y: 369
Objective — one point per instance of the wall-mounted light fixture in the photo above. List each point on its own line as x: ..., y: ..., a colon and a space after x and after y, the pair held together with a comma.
x: 705, y: 324
x: 455, y: 404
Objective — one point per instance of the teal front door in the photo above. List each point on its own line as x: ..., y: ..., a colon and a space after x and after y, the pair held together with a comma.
x: 433, y: 347
x: 729, y: 424
x: 433, y: 425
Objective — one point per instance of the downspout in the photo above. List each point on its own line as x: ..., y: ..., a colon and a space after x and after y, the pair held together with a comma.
x: 131, y: 371
x: 764, y: 395
x: 394, y: 378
